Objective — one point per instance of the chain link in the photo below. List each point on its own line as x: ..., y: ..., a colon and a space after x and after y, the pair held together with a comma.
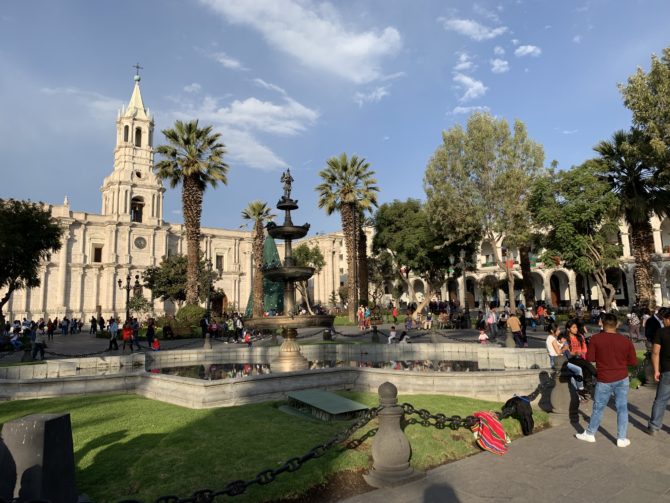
x: 439, y: 420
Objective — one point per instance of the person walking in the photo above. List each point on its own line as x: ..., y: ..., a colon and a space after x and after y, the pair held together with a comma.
x: 612, y: 353
x: 113, y: 334
x: 514, y: 325
x: 127, y: 336
x: 660, y: 360
x: 38, y: 345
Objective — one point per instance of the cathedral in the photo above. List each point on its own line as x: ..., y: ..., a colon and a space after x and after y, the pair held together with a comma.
x: 129, y: 235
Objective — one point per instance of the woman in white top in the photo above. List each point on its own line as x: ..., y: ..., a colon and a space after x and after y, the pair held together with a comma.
x: 553, y: 348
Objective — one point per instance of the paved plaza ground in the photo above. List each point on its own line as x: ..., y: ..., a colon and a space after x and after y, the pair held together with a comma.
x: 549, y: 466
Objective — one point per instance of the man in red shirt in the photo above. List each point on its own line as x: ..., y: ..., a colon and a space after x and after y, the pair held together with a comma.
x: 612, y: 353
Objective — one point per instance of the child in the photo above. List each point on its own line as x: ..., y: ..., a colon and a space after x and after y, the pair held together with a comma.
x: 247, y: 339
x: 155, y: 344
x: 483, y: 338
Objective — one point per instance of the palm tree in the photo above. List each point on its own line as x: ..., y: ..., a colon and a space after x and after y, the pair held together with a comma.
x: 350, y: 188
x: 259, y: 213
x: 193, y: 158
x: 633, y: 179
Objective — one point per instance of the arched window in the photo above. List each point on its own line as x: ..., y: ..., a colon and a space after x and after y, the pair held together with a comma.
x: 126, y: 133
x: 138, y: 137
x: 136, y: 207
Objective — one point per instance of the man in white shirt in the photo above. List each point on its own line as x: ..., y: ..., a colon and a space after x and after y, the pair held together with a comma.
x: 392, y: 335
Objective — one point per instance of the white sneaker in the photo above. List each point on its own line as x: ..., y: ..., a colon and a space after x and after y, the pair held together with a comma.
x: 622, y: 442
x: 586, y: 437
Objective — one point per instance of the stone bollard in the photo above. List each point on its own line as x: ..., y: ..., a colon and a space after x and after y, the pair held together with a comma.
x: 509, y: 338
x: 391, y: 451
x: 564, y: 398
x: 40, y: 447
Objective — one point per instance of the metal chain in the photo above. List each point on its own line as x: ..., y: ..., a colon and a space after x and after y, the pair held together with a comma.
x: 439, y: 420
x: 237, y: 487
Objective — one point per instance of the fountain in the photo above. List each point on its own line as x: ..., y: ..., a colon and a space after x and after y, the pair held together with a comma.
x: 290, y: 357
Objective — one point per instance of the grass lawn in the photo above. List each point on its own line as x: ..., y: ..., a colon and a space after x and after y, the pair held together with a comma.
x: 132, y: 447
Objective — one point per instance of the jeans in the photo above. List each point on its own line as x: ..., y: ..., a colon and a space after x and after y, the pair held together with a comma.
x: 577, y: 370
x: 660, y: 402
x: 601, y: 396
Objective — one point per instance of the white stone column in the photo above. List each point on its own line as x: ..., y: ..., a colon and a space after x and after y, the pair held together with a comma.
x: 461, y: 291
x: 63, y: 271
x: 547, y: 287
x: 43, y: 292
x: 572, y: 287
x: 658, y: 242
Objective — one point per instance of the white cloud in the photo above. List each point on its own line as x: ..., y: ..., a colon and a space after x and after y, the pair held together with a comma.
x: 498, y: 51
x: 468, y: 110
x: 484, y: 12
x: 499, y: 66
x: 472, y: 88
x: 577, y: 39
x: 98, y: 105
x: 242, y: 121
x: 515, y: 41
x: 464, y: 64
x: 527, y: 50
x: 193, y: 88
x: 315, y: 36
x: 227, y: 61
x: 269, y: 86
x: 472, y: 29
x: 373, y: 96
x: 570, y: 131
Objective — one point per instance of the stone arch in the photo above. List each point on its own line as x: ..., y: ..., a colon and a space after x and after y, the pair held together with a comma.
x: 419, y: 289
x: 559, y: 285
x: 617, y: 278
x: 472, y: 293
x: 538, y: 285
x: 136, y: 209
x: 487, y: 254
x: 138, y: 136
x: 126, y: 133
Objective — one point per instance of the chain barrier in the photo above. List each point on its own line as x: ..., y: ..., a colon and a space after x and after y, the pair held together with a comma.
x: 264, y: 477
x: 439, y: 420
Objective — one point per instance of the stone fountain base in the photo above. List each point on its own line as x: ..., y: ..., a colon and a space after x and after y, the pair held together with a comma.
x: 290, y: 358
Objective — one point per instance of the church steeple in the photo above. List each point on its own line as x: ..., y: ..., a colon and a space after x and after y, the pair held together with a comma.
x: 132, y: 192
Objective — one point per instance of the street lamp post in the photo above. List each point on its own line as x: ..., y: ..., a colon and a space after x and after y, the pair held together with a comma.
x: 208, y: 339
x: 127, y: 287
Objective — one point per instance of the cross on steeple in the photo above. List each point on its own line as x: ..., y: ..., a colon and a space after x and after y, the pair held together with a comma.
x: 137, y: 68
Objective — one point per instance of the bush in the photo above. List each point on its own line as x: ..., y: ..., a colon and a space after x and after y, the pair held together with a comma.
x: 191, y: 314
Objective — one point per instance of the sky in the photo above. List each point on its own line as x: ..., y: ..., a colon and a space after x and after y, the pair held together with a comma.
x: 291, y: 83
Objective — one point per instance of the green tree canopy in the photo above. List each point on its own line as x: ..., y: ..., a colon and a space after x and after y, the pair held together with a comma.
x: 259, y: 213
x: 577, y: 213
x: 29, y: 236
x: 477, y: 184
x: 167, y: 281
x: 403, y: 230
x: 647, y: 95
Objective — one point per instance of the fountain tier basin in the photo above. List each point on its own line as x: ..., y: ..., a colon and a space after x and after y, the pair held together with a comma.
x: 288, y: 232
x: 278, y: 322
x: 290, y: 273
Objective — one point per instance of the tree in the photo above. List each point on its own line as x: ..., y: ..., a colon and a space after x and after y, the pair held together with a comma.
x: 381, y: 273
x: 259, y: 213
x: 348, y: 187
x: 193, y: 158
x: 29, y: 235
x: 402, y: 229
x: 139, y: 305
x: 577, y: 212
x: 628, y: 166
x: 304, y: 256
x: 477, y: 185
x: 168, y: 281
x: 647, y: 95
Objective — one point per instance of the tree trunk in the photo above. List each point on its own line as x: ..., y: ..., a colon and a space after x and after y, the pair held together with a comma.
x: 528, y: 290
x: 607, y: 290
x: 259, y: 297
x: 303, y: 289
x: 642, y: 242
x: 191, y: 195
x: 349, y: 228
x: 363, y: 262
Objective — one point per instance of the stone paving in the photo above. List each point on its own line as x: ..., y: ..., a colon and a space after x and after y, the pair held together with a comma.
x: 548, y: 466
x: 553, y: 466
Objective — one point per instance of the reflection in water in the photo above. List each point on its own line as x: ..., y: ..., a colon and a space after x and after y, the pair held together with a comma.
x: 241, y: 370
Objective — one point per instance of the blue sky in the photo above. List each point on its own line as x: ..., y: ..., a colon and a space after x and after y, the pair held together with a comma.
x: 290, y: 83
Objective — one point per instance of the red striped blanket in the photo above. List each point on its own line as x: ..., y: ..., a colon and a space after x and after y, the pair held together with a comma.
x: 489, y: 433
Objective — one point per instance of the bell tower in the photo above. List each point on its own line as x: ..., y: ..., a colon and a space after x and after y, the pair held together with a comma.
x: 132, y: 193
